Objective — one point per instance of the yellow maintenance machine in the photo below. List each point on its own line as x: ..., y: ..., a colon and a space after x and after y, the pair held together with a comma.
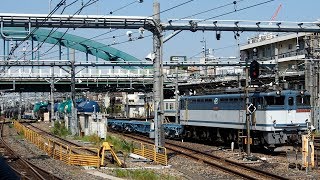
x: 108, y: 147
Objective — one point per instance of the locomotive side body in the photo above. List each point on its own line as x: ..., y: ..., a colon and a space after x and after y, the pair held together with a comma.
x: 280, y: 117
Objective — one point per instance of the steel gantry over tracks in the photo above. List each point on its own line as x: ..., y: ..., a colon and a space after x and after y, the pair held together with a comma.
x: 148, y: 23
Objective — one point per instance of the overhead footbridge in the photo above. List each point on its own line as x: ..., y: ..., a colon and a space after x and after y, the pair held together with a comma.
x: 17, y: 73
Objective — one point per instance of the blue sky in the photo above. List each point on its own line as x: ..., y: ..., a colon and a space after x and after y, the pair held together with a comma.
x: 186, y: 43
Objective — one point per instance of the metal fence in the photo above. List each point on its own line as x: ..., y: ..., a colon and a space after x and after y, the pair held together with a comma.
x: 149, y: 151
x: 59, y: 150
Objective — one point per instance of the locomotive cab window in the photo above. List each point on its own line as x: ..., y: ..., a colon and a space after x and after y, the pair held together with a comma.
x: 303, y: 100
x: 274, y: 100
x: 290, y: 101
x: 182, y: 104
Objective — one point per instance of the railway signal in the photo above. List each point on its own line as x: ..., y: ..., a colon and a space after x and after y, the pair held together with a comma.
x: 251, y: 108
x: 254, y: 69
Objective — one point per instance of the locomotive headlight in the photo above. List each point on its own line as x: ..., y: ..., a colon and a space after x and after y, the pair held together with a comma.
x: 278, y: 93
x: 302, y: 92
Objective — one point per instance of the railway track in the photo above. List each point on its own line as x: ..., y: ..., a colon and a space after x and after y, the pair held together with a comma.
x: 226, y: 165
x: 22, y: 167
x: 59, y: 139
x: 70, y: 143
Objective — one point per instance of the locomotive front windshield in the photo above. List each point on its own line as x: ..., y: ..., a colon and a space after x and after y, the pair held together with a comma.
x: 303, y: 100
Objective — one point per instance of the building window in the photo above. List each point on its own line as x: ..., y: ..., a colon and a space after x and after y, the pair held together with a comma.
x: 171, y: 106
x: 290, y: 46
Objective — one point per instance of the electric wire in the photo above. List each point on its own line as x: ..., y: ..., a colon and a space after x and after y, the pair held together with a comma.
x: 99, y: 34
x: 237, y: 10
x: 111, y: 12
x: 181, y: 4
x: 176, y: 6
x: 68, y: 6
x: 51, y: 32
x: 117, y: 29
x: 35, y: 29
x: 215, y: 8
x: 190, y: 15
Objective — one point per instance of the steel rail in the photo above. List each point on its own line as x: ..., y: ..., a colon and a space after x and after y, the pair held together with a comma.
x: 33, y: 171
x: 223, y: 164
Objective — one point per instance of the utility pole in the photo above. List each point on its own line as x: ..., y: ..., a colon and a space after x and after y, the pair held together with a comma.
x: 276, y: 53
x: 157, y: 86
x: 20, y: 105
x: 74, y: 119
x: 205, y: 56
x: 51, y: 95
x: 177, y: 96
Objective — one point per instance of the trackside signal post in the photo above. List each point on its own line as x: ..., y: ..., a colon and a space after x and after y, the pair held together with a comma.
x: 250, y: 108
x: 247, y: 109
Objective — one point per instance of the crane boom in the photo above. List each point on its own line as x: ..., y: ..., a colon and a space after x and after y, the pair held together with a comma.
x: 276, y: 13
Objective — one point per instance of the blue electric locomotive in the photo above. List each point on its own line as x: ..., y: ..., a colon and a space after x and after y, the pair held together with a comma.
x: 280, y: 117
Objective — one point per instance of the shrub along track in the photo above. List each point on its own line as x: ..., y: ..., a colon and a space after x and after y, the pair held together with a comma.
x: 226, y: 165
x: 22, y: 167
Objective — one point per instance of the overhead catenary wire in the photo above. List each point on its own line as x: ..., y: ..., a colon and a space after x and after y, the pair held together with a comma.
x: 237, y: 10
x: 160, y: 12
x: 35, y: 29
x: 68, y: 6
x: 215, y: 8
x: 51, y: 32
x: 102, y: 16
x: 171, y: 8
x: 111, y: 12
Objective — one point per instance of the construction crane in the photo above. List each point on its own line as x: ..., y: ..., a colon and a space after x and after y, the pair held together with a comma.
x: 266, y: 35
x: 276, y: 13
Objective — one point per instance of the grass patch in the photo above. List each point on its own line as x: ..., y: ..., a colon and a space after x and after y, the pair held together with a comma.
x: 10, y: 125
x: 142, y: 175
x: 19, y: 136
x: 59, y: 129
x: 95, y: 139
x: 119, y: 144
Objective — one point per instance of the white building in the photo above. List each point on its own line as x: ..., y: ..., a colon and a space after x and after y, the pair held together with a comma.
x: 296, y: 56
